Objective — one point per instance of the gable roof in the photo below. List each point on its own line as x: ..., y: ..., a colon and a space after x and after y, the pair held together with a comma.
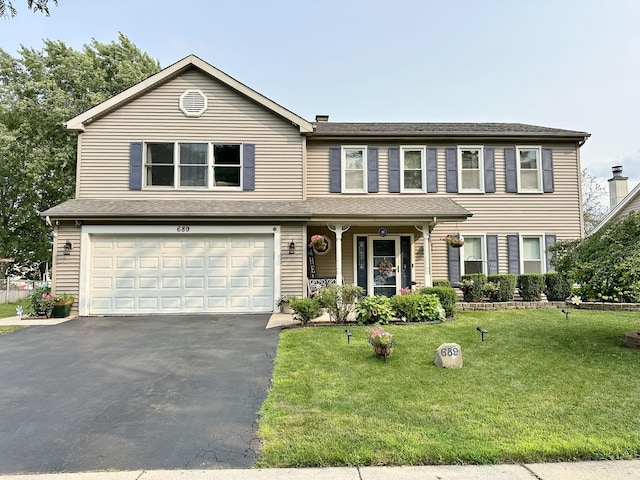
x: 631, y: 196
x: 79, y: 122
x: 440, y: 130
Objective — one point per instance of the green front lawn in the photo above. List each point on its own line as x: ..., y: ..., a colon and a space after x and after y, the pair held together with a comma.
x: 9, y: 309
x: 540, y: 388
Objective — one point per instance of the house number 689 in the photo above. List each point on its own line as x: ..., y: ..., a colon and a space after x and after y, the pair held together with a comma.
x: 183, y: 228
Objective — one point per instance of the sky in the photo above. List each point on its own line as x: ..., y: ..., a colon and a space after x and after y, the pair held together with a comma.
x: 572, y: 64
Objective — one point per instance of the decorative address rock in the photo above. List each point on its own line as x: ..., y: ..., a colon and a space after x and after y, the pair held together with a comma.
x: 449, y: 355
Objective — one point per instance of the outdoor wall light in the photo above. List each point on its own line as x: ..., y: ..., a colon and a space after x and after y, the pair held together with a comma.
x: 292, y: 248
x: 348, y: 332
x: 67, y: 247
x: 482, y: 332
x: 566, y: 314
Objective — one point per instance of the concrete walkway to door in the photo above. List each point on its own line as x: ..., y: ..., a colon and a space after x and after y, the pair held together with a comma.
x: 128, y: 393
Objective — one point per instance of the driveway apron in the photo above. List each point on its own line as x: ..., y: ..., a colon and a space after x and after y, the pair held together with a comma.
x: 130, y: 393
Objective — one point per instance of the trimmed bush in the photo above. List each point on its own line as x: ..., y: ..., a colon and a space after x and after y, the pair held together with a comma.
x: 472, y: 287
x: 506, y: 284
x: 531, y: 286
x: 556, y: 287
x: 447, y: 296
x: 441, y: 283
x: 305, y: 309
x: 491, y: 291
x: 405, y: 306
x: 374, y: 310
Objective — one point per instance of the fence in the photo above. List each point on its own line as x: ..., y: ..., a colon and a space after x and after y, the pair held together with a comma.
x: 13, y: 290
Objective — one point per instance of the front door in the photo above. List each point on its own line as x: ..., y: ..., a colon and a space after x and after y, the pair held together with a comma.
x: 384, y: 270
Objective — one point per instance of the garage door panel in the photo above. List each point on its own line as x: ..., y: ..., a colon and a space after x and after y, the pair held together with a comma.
x: 140, y: 274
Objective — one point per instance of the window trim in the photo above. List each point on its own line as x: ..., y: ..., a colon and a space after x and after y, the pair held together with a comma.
x: 423, y: 166
x: 483, y: 248
x: 538, y: 149
x: 480, y: 188
x: 176, y: 166
x: 541, y: 239
x: 343, y: 169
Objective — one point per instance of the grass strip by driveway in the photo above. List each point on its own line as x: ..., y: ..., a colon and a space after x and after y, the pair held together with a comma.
x: 540, y: 388
x: 9, y: 309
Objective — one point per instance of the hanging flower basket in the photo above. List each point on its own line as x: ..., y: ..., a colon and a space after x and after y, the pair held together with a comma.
x: 456, y: 240
x: 320, y: 243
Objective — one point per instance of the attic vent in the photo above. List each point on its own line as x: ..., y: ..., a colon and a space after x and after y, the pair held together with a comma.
x: 193, y: 103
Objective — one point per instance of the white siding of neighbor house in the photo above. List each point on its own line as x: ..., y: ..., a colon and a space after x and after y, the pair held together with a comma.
x: 498, y: 213
x: 155, y: 116
x: 632, y: 206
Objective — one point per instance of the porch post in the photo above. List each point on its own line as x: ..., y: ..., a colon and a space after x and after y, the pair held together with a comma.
x: 339, y: 229
x: 427, y: 257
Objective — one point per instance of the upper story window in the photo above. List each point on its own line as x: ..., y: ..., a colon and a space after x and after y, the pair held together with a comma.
x: 412, y: 169
x: 470, y: 164
x: 192, y: 165
x: 354, y: 169
x: 528, y: 162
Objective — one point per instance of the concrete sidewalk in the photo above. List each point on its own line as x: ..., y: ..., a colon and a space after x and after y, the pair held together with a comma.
x: 602, y: 470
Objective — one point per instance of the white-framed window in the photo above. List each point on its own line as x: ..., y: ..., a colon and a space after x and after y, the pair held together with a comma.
x: 532, y: 254
x: 188, y: 165
x: 412, y: 169
x: 529, y: 165
x: 470, y: 168
x: 473, y: 254
x: 354, y: 169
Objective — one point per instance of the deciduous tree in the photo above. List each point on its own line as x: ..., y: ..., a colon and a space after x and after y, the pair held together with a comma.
x: 8, y: 10
x: 39, y: 91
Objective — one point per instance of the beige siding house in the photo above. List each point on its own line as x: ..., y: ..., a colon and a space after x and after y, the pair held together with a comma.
x: 621, y: 201
x: 196, y: 194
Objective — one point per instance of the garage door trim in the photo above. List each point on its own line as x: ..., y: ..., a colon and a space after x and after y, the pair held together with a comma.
x: 182, y: 230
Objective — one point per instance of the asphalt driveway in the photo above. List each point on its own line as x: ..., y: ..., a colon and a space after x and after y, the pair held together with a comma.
x: 125, y: 393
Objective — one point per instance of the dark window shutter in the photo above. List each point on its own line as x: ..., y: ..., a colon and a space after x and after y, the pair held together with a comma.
x: 248, y: 167
x: 135, y: 166
x: 394, y: 170
x: 453, y: 258
x: 493, y: 267
x: 432, y: 170
x: 511, y: 170
x: 489, y: 170
x: 451, y: 156
x: 547, y: 170
x: 372, y: 167
x: 335, y: 171
x: 513, y: 253
x: 549, y: 239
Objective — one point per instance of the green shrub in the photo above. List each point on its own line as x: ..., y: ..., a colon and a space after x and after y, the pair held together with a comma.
x: 441, y: 283
x: 472, y: 286
x: 491, y: 291
x: 305, y: 309
x: 531, y: 286
x: 556, y: 287
x: 429, y: 308
x: 447, y: 296
x: 339, y: 300
x: 405, y: 306
x: 41, y: 301
x: 506, y: 284
x: 374, y: 310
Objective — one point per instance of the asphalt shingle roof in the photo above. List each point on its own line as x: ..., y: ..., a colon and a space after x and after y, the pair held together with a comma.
x: 354, y: 207
x: 441, y: 129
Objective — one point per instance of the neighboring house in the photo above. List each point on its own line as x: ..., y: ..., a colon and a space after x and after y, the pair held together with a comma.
x: 197, y: 194
x: 621, y: 203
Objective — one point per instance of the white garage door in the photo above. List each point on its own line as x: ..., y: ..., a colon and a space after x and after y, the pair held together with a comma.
x: 171, y: 274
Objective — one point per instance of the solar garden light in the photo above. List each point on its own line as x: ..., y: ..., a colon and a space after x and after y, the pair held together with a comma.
x: 482, y: 332
x: 348, y: 332
x: 566, y: 314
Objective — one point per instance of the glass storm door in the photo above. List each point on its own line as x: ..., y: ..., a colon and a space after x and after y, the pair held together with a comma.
x: 384, y: 271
